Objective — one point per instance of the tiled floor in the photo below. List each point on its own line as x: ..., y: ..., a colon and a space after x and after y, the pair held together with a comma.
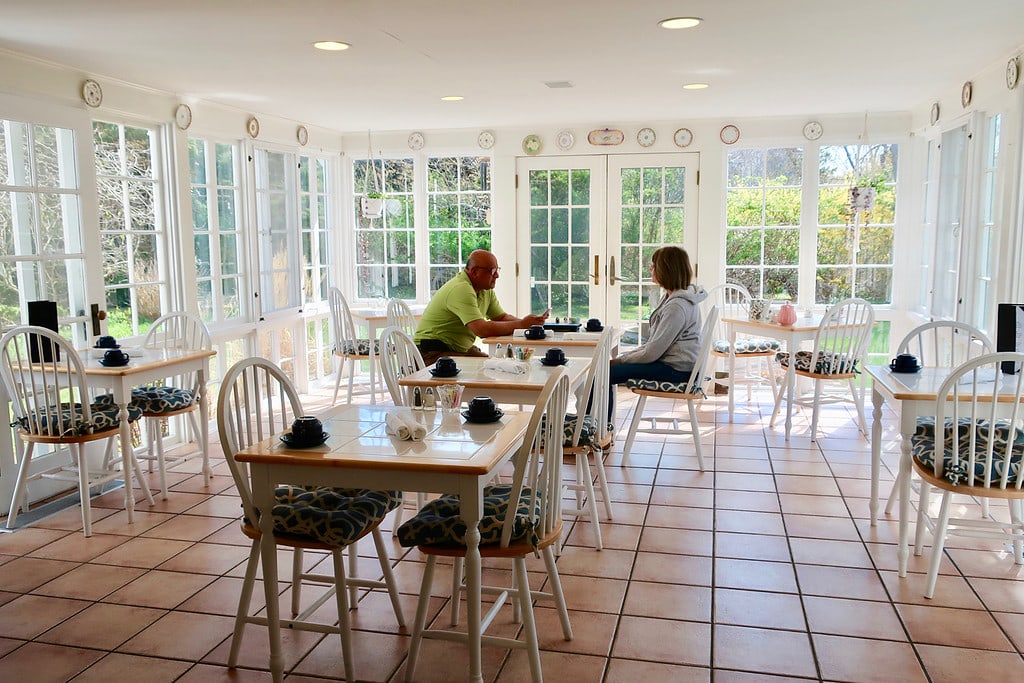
x: 763, y: 568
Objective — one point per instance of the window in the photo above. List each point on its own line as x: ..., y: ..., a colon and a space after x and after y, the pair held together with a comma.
x: 132, y: 232
x: 854, y: 248
x: 983, y: 250
x: 221, y: 276
x: 385, y: 246
x: 315, y: 227
x: 41, y: 249
x: 763, y: 202
x: 459, y: 213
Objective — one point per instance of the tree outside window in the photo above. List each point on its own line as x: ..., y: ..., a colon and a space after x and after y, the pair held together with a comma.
x: 385, y: 247
x: 458, y: 211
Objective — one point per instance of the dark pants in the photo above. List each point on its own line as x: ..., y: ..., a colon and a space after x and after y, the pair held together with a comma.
x: 657, y: 371
x: 432, y: 349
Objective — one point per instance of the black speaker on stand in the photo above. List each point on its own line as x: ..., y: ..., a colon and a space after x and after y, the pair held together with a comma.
x: 42, y: 314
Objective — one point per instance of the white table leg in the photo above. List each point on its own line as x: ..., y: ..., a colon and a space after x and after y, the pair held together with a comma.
x: 904, y: 487
x: 876, y: 452
x: 204, y: 426
x: 732, y: 370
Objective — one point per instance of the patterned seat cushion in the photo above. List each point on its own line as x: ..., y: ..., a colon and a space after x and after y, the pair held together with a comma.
x: 829, y: 363
x: 748, y: 346
x: 335, y: 516
x: 104, y: 417
x: 161, y: 400
x: 439, y: 523
x: 922, y: 448
x: 587, y: 432
x: 664, y: 387
x: 359, y: 347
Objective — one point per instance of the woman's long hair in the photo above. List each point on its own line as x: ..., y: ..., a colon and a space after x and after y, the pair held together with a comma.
x: 672, y: 269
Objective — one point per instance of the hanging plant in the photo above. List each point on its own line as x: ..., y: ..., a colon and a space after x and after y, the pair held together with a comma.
x: 864, y: 192
x: 371, y: 204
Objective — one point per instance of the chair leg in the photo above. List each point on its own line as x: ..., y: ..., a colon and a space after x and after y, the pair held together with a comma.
x: 352, y: 362
x: 938, y: 543
x: 83, y: 487
x: 556, y: 591
x: 297, y: 572
x: 456, y: 599
x: 695, y: 426
x: 1017, y: 517
x: 816, y: 410
x: 529, y: 625
x: 389, y: 576
x: 353, y: 559
x: 19, y: 487
x: 638, y: 413
x: 421, y: 618
x: 586, y: 479
x: 244, y: 600
x: 143, y: 483
x: 158, y: 443
x: 602, y: 481
x: 779, y: 396
x: 923, y: 503
x: 344, y: 622
x: 399, y: 512
x: 337, y: 381
x: 893, y: 494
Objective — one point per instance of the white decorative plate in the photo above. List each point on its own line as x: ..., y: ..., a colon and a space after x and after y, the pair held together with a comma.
x: 532, y: 144
x: 565, y: 140
x: 683, y: 137
x: 485, y: 140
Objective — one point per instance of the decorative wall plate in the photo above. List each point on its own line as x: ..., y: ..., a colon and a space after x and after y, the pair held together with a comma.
x: 683, y: 137
x: 252, y: 127
x: 966, y: 93
x: 606, y: 136
x: 645, y: 137
x: 92, y: 93
x: 1012, y: 73
x: 416, y: 141
x: 729, y: 134
x: 813, y: 130
x: 302, y: 135
x: 485, y: 140
x: 565, y: 140
x: 934, y: 117
x: 532, y: 144
x: 183, y: 116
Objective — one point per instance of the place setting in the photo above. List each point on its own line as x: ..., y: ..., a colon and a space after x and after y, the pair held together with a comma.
x: 553, y: 357
x: 306, y: 432
x: 482, y: 410
x: 445, y: 366
x: 114, y: 358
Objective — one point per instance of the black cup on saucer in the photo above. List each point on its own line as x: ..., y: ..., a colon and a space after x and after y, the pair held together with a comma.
x: 905, y: 362
x: 535, y: 332
x: 554, y: 356
x: 307, y: 429
x: 445, y: 367
x: 115, y: 357
x: 106, y: 342
x: 594, y: 325
x: 481, y: 408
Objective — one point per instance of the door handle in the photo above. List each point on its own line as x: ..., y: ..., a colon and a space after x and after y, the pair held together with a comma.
x: 97, y: 315
x: 611, y: 270
x: 597, y: 270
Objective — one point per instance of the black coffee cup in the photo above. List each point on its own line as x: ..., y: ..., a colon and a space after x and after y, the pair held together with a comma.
x: 594, y: 325
x: 481, y: 407
x: 554, y: 355
x: 106, y: 342
x: 307, y: 429
x: 115, y: 357
x: 905, y: 362
x: 535, y: 332
x: 445, y: 365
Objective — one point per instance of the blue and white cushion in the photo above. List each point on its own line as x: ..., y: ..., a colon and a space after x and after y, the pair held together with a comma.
x: 439, y: 521
x: 923, y: 448
x: 334, y: 516
x: 664, y: 387
x: 748, y: 346
x: 358, y: 347
x: 71, y: 421
x: 829, y: 362
x: 162, y: 400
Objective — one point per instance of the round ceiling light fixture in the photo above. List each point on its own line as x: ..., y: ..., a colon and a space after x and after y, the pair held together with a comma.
x: 452, y: 98
x: 695, y: 86
x: 331, y: 45
x: 680, y: 22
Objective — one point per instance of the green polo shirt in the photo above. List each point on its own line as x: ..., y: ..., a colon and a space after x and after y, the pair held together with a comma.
x: 454, y: 306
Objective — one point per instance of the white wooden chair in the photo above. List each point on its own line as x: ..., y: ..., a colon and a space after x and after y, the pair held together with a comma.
x: 941, y: 344
x: 400, y: 315
x: 176, y: 395
x: 691, y: 391
x: 349, y: 347
x: 51, y: 408
x: 839, y: 349
x: 534, y: 526
x: 256, y: 401
x: 974, y: 446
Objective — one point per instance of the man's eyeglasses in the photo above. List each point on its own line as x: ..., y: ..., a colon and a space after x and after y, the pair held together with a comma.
x: 493, y: 271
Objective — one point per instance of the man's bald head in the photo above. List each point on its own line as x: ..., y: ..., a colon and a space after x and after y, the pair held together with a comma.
x: 481, y: 258
x: 482, y: 269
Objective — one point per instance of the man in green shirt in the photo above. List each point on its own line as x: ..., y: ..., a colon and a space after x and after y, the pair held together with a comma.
x: 466, y: 308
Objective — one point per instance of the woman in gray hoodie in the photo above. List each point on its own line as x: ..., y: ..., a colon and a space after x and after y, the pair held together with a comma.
x: 674, y: 337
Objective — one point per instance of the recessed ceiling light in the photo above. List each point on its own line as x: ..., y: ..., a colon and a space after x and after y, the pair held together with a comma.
x: 680, y: 22
x: 331, y: 45
x: 452, y: 98
x: 695, y: 86
x: 558, y: 84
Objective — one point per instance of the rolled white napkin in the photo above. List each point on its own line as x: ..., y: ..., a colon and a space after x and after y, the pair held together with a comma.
x: 404, y: 427
x: 508, y: 365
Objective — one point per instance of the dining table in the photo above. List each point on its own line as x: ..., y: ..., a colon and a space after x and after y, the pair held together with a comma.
x: 574, y: 344
x: 914, y: 395
x: 146, y: 366
x: 375, y: 318
x: 454, y: 457
x: 804, y: 329
x: 504, y: 387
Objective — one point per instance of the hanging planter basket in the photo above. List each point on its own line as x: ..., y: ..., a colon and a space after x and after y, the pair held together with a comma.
x: 371, y: 204
x: 371, y: 207
x: 862, y: 198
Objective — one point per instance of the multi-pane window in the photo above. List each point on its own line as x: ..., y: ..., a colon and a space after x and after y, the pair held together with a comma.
x: 217, y: 233
x: 983, y: 249
x: 41, y: 248
x: 132, y: 233
x: 855, y: 247
x: 763, y: 202
x: 459, y: 213
x: 276, y: 223
x: 385, y: 246
x: 315, y: 227
x: 560, y: 240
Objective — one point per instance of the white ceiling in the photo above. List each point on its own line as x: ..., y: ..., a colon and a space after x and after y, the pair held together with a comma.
x: 761, y: 57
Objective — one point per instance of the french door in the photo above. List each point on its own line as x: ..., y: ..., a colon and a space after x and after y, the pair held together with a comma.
x: 587, y: 226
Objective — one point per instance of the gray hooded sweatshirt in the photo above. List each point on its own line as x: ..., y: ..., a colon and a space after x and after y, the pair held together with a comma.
x: 674, y: 337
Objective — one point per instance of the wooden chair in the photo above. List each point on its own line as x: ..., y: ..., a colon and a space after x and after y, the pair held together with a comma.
x: 941, y: 344
x: 349, y: 347
x: 51, y: 408
x: 974, y: 446
x: 177, y: 395
x: 839, y: 349
x: 256, y: 401
x: 515, y: 532
x: 400, y: 316
x: 751, y: 353
x: 691, y: 391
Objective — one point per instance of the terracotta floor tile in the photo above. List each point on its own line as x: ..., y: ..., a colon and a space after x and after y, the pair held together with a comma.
x: 29, y: 539
x: 164, y: 590
x: 948, y: 664
x: 668, y: 601
x: 101, y: 626
x: 752, y: 575
x: 763, y: 650
x: 950, y: 591
x: 610, y: 564
x: 953, y: 627
x: 580, y: 667
x: 737, y: 481
x: 143, y: 552
x: 1013, y: 625
x: 757, y: 608
x: 840, y: 582
x: 755, y: 501
x: 818, y: 486
x: 376, y: 656
x: 207, y: 558
x: 45, y: 662
x: 180, y: 635
x: 592, y: 633
x: 853, y: 618
x: 188, y: 527
x: 77, y: 548
x: 677, y: 517
x: 869, y: 661
x: 830, y: 528
x: 615, y: 536
x: 631, y: 671
x: 724, y: 676
x: 832, y: 553
x: 752, y: 546
x: 688, y: 569
x: 661, y: 640
x: 1003, y: 595
x: 117, y: 666
x: 802, y: 504
x: 742, y: 521
x: 23, y: 574
x: 592, y: 594
x: 27, y: 616
x: 682, y: 541
x: 89, y: 581
x: 674, y: 495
